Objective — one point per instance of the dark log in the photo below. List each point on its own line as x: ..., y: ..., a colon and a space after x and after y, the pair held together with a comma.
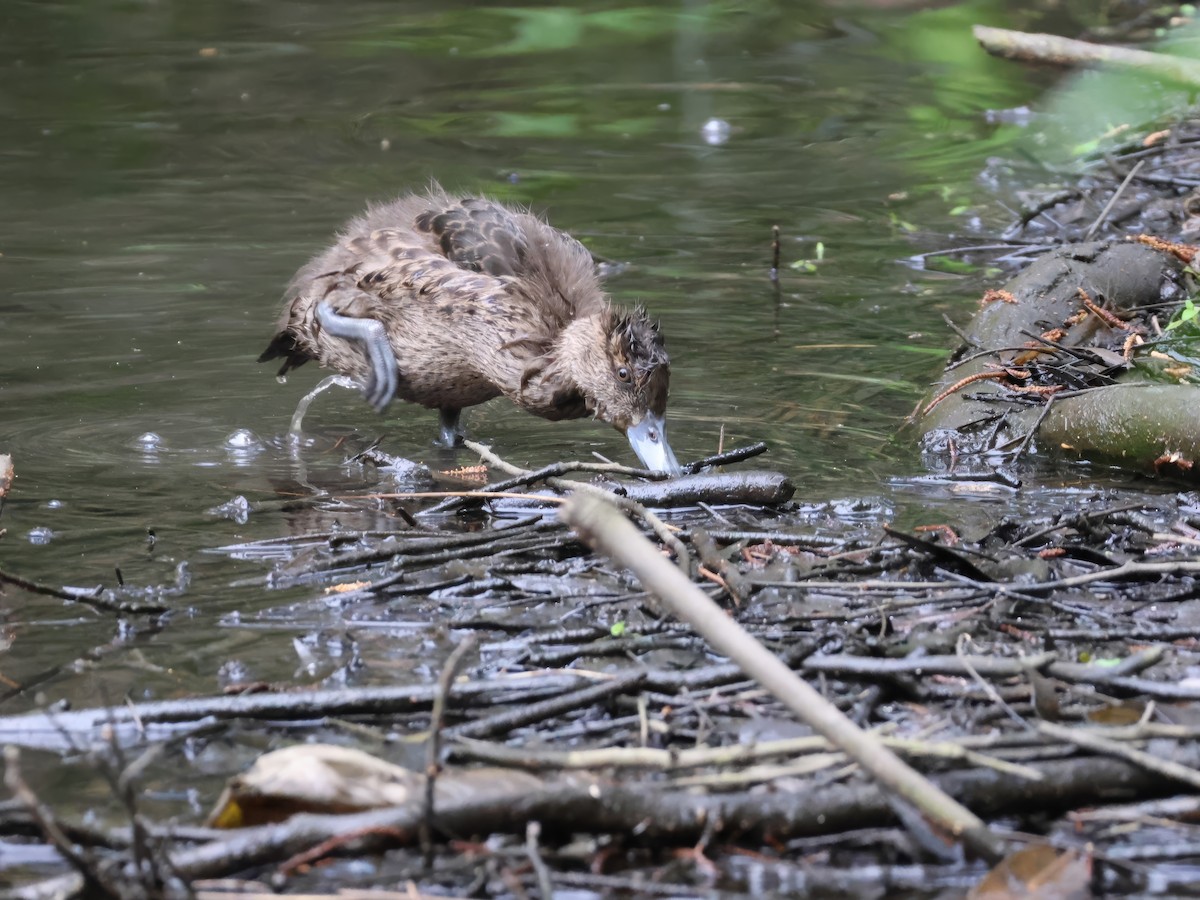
x: 1111, y: 421
x: 752, y: 488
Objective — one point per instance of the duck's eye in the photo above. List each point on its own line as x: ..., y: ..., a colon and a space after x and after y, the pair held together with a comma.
x: 623, y: 374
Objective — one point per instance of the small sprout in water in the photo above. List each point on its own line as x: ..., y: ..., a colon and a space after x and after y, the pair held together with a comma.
x: 617, y: 629
x: 809, y: 266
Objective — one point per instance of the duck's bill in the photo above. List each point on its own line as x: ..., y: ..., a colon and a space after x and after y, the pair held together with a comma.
x: 649, y: 441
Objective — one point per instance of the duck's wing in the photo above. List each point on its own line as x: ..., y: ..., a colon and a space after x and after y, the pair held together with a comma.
x: 464, y: 246
x: 478, y: 235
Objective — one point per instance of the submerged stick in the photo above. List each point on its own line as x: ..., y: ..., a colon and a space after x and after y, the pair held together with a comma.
x: 721, y: 457
x: 603, y: 527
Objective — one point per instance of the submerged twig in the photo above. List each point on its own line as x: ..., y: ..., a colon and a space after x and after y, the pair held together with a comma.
x: 729, y: 456
x: 96, y: 597
x: 774, y: 273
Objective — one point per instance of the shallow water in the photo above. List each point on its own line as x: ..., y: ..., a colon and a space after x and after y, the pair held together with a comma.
x: 165, y: 169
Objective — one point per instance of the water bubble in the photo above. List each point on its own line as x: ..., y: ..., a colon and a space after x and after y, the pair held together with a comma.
x: 54, y: 504
x: 243, y: 439
x: 149, y: 442
x: 233, y: 671
x: 716, y: 132
x: 242, y: 446
x: 41, y: 535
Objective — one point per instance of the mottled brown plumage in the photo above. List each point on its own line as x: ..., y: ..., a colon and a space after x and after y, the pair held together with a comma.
x: 450, y: 301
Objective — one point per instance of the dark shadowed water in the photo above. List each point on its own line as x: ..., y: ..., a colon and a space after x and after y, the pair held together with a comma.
x: 165, y: 167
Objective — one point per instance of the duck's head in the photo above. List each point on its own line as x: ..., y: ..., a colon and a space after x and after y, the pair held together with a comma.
x: 628, y: 387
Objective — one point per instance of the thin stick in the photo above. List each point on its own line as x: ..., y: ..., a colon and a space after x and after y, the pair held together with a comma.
x: 960, y: 650
x: 96, y: 599
x: 729, y: 456
x: 533, y: 831
x: 1112, y: 201
x: 484, y: 495
x: 433, y: 756
x: 603, y: 527
x: 1097, y: 741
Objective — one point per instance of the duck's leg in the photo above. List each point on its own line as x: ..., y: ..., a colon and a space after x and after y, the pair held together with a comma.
x: 306, y: 401
x: 384, y: 377
x: 450, y: 436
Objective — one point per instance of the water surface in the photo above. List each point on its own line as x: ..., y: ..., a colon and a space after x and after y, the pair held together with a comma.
x: 166, y: 167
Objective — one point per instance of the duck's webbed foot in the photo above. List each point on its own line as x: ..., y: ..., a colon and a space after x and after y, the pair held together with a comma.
x: 449, y: 435
x: 384, y: 377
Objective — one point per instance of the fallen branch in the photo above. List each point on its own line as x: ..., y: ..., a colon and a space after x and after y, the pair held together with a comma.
x: 141, y: 722
x: 1060, y: 51
x: 649, y: 815
x: 1098, y: 742
x: 754, y: 488
x: 605, y: 528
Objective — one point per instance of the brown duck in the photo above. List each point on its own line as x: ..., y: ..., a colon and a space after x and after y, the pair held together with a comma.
x: 450, y: 301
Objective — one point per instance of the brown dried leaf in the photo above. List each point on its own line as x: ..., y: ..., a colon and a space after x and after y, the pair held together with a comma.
x: 1037, y: 872
x: 1127, y: 713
